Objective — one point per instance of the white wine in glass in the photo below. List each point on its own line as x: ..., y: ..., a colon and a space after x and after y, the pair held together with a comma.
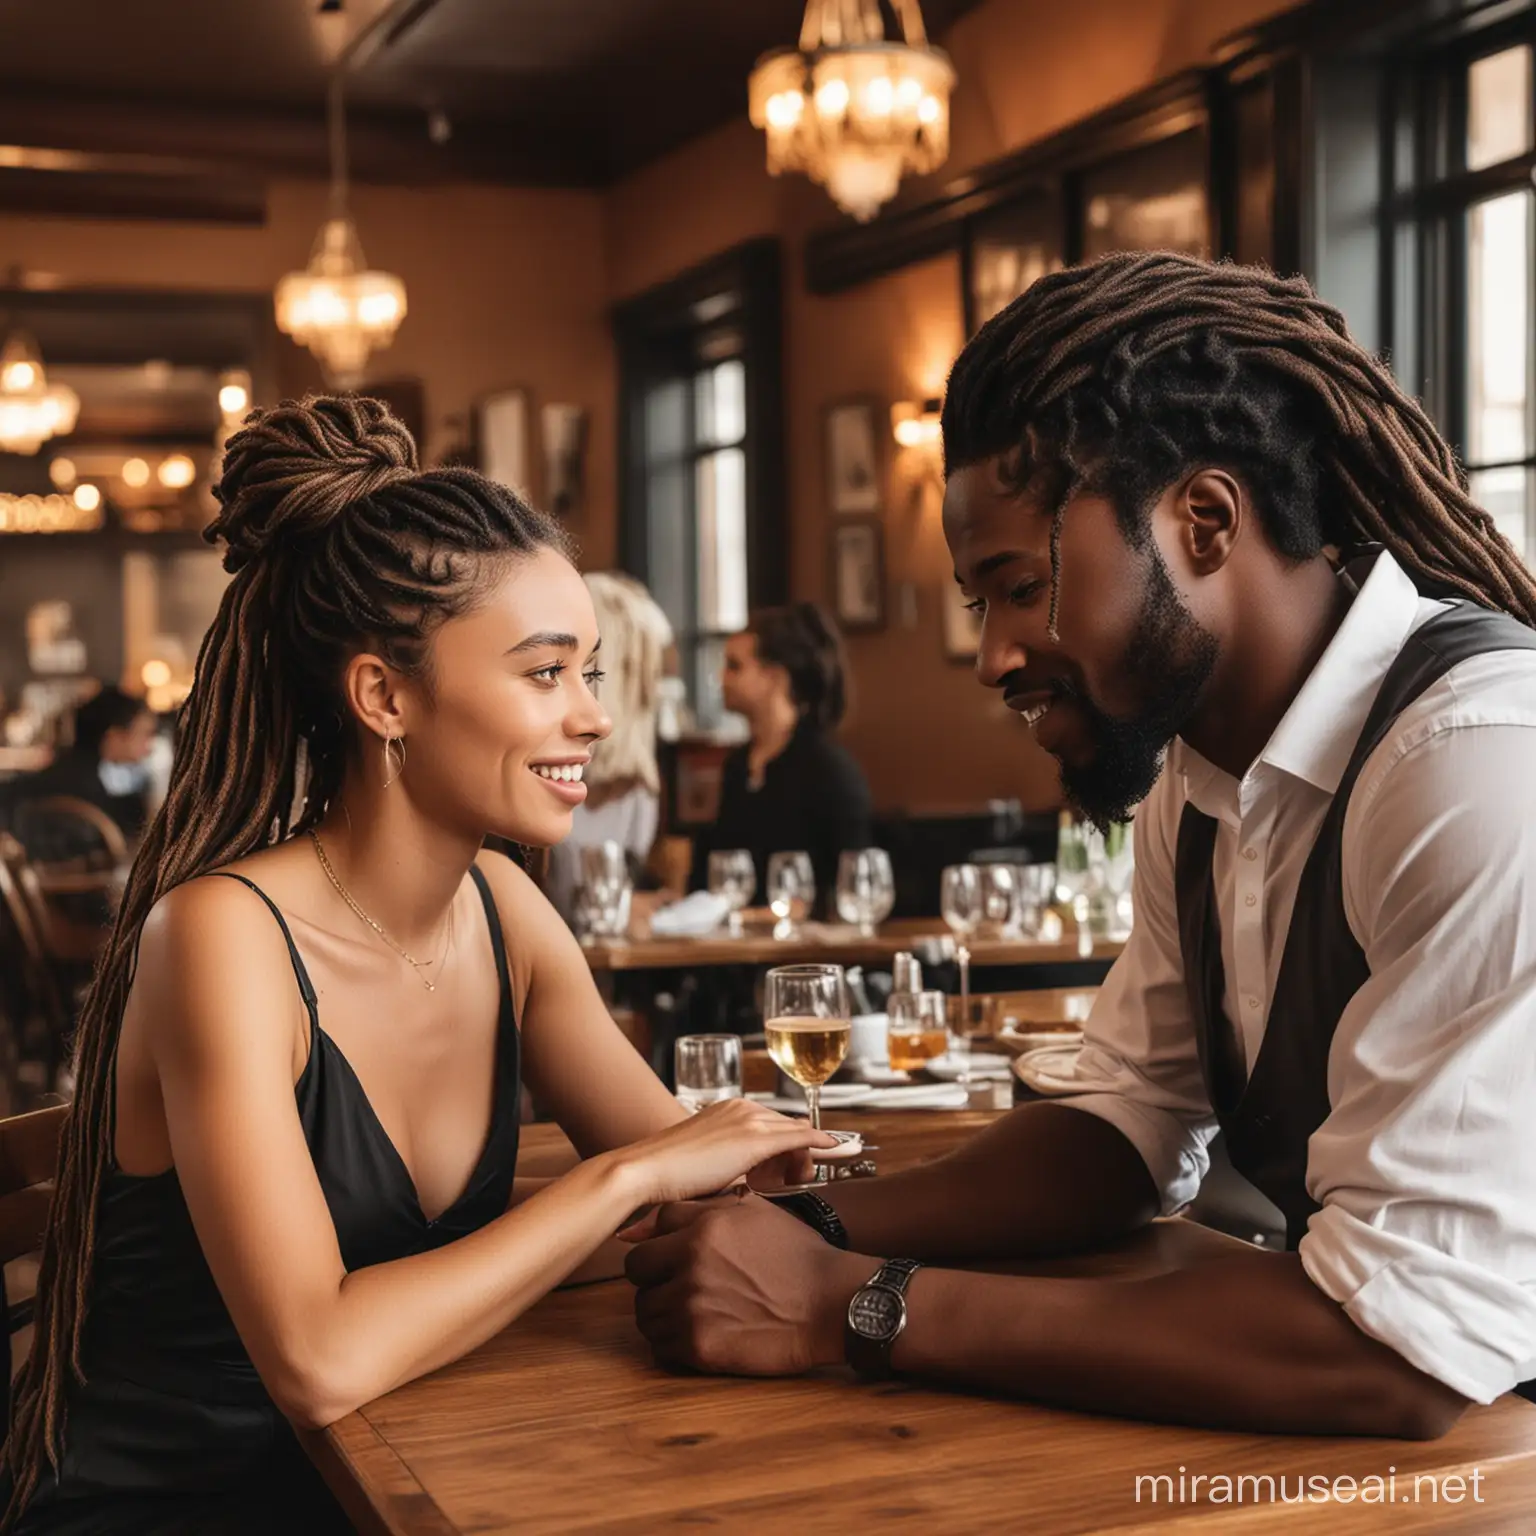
x: 806, y: 1021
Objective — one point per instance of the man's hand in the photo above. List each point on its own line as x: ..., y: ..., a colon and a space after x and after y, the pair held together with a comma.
x: 738, y: 1287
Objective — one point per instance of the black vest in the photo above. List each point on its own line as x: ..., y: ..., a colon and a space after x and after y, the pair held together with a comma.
x: 1268, y: 1116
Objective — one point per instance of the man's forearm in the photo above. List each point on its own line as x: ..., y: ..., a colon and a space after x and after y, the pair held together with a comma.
x: 1045, y: 1179
x: 1243, y: 1343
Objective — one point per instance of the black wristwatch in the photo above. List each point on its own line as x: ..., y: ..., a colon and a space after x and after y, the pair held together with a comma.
x: 816, y: 1214
x: 876, y: 1316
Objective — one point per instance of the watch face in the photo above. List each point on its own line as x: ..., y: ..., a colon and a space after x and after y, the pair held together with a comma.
x: 876, y: 1312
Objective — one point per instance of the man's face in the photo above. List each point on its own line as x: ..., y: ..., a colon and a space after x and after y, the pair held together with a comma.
x: 1131, y: 661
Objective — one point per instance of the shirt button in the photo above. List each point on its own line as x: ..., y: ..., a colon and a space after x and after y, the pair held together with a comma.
x: 1252, y: 1002
x: 1250, y: 853
x: 1250, y: 900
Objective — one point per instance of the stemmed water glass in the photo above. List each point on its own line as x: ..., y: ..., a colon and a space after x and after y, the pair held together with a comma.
x: 999, y: 899
x: 806, y: 1022
x: 866, y: 888
x: 732, y: 877
x: 962, y: 901
x: 791, y: 891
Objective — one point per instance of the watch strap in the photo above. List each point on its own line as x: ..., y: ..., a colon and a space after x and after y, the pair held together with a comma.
x: 816, y: 1214
x: 871, y: 1357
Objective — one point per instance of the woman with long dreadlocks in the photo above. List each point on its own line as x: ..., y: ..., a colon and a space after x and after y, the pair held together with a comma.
x: 287, y: 1178
x: 1229, y: 573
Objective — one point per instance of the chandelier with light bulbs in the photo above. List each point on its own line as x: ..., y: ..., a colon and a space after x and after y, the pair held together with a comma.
x: 850, y: 110
x: 31, y: 409
x: 337, y: 307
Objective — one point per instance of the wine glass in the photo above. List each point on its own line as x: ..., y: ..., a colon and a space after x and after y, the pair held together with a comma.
x: 1073, y: 871
x: 1037, y: 890
x: 999, y: 899
x: 791, y: 891
x: 806, y: 1021
x: 866, y: 888
x: 962, y: 901
x: 733, y: 877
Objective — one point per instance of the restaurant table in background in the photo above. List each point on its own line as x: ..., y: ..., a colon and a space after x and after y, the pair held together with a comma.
x: 562, y: 1423
x: 837, y: 944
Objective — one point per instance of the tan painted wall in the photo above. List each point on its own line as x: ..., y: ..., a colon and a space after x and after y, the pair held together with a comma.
x: 505, y: 288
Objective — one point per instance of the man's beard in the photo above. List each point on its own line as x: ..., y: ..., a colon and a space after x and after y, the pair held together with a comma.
x: 1168, y: 661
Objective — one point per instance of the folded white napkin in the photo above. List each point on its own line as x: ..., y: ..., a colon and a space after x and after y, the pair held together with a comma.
x: 697, y: 914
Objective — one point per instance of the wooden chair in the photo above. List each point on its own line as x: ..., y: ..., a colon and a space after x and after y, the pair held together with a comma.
x: 40, y: 982
x: 89, y: 821
x: 29, y: 1159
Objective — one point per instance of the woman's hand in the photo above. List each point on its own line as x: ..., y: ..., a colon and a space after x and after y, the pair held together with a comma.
x: 719, y: 1146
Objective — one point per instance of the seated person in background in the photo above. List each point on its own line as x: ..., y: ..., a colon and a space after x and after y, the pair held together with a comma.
x: 1151, y: 462
x: 623, y: 785
x: 287, y: 1183
x: 106, y: 766
x: 792, y: 786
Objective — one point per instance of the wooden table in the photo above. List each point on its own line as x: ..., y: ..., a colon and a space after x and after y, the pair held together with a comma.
x: 563, y: 1424
x: 837, y: 944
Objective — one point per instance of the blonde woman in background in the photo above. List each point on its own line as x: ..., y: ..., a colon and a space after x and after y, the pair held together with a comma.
x: 623, y: 801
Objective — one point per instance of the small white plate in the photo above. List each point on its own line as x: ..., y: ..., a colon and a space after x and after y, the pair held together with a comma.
x: 1040, y: 1039
x: 1049, y: 1071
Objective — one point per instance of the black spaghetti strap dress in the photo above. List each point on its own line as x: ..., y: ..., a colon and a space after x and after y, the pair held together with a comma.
x: 172, y: 1432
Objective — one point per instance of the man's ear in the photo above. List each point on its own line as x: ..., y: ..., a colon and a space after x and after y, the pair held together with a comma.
x: 1211, y: 509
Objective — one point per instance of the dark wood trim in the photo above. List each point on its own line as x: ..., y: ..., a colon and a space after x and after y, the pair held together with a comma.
x: 842, y: 257
x: 200, y: 197
x: 655, y: 332
x: 387, y: 148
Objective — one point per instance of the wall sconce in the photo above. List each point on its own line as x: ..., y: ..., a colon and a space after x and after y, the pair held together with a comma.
x: 916, y: 425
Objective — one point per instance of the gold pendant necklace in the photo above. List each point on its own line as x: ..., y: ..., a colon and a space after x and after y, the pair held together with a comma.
x: 346, y: 896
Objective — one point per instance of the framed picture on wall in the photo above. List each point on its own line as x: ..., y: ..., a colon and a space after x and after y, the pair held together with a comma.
x: 853, y: 457
x: 1006, y: 250
x: 1151, y: 199
x: 962, y: 627
x: 858, y: 574
x: 503, y: 450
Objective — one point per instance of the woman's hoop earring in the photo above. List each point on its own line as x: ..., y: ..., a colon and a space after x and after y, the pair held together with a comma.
x: 391, y: 773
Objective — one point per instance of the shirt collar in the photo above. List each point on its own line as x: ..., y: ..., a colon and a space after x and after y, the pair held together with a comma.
x: 1317, y: 735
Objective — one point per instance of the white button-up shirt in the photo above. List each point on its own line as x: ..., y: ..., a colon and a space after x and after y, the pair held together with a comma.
x: 1426, y: 1165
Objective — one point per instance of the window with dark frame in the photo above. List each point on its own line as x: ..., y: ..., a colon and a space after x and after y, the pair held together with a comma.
x: 1459, y: 244
x: 702, y: 521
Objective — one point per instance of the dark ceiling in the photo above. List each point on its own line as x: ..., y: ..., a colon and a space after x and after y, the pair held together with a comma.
x: 551, y: 92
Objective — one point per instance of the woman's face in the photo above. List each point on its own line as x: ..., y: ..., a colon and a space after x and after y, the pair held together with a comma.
x: 746, y: 682
x: 500, y: 740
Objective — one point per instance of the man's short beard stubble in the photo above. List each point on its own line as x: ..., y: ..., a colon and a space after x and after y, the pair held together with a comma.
x: 1169, y: 659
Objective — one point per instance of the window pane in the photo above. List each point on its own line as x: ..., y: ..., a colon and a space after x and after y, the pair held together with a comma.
x: 1498, y: 328
x: 703, y: 672
x: 1499, y: 108
x: 722, y: 525
x: 666, y: 553
x: 720, y: 404
x: 1506, y: 494
x: 666, y: 420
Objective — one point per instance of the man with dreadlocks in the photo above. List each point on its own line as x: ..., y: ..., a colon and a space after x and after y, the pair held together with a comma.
x: 1229, y: 574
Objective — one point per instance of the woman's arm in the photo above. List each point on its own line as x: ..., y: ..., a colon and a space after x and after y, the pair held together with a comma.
x: 216, y: 999
x: 603, y: 1094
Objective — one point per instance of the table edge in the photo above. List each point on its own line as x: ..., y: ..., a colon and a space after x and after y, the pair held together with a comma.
x: 341, y: 1451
